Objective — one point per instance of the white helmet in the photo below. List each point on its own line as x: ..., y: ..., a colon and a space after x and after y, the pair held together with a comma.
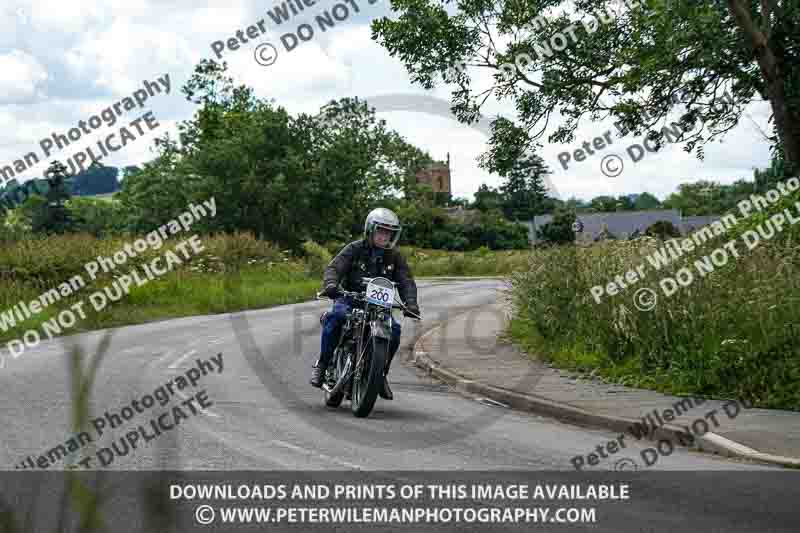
x: 382, y: 218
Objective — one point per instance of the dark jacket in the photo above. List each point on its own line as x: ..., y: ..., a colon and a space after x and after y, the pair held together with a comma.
x: 353, y: 262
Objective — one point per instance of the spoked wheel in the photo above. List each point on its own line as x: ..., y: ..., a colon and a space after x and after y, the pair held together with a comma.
x: 334, y: 400
x: 368, y: 379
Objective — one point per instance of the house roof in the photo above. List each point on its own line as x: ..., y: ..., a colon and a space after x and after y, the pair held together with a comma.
x: 620, y: 223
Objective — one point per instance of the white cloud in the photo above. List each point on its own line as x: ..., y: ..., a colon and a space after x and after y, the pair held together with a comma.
x: 64, y: 61
x: 22, y: 77
x: 124, y: 54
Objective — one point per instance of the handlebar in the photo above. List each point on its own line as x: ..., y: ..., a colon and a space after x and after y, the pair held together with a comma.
x: 359, y: 296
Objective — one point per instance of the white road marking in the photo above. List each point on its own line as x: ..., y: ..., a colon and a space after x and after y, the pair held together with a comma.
x: 306, y: 451
x: 177, y: 363
x: 489, y: 401
x: 209, y: 412
x: 169, y: 353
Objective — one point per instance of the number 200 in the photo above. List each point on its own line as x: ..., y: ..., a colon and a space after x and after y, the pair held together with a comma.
x: 378, y: 294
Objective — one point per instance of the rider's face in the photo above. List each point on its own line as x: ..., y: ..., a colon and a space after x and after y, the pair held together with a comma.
x: 382, y: 236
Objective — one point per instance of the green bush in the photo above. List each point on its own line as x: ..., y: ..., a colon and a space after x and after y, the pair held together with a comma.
x: 430, y: 227
x: 334, y: 247
x: 316, y: 257
x: 95, y: 216
x: 559, y: 230
x: 662, y: 229
x: 239, y: 249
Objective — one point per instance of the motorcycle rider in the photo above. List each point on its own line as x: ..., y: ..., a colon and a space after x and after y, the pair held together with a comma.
x: 373, y: 255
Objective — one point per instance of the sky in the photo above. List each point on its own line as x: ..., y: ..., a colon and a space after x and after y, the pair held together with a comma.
x: 63, y: 62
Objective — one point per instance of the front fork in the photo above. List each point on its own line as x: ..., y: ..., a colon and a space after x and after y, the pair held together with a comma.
x: 381, y: 325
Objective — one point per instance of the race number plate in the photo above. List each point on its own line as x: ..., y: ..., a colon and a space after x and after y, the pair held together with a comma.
x: 380, y: 295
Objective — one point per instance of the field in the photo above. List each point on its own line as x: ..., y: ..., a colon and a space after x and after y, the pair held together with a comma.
x: 232, y: 273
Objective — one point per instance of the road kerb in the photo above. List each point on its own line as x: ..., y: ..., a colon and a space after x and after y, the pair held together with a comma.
x: 709, y: 442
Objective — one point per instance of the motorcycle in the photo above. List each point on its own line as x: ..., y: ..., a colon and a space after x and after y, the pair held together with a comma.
x: 363, y: 347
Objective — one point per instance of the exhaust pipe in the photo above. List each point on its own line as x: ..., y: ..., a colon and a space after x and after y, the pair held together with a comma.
x: 342, y: 380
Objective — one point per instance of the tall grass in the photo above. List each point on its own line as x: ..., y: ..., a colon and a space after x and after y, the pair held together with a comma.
x: 80, y: 505
x: 232, y: 273
x: 481, y: 262
x: 733, y: 333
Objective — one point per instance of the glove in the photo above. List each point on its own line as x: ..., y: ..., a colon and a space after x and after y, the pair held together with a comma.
x: 332, y: 292
x: 412, y: 308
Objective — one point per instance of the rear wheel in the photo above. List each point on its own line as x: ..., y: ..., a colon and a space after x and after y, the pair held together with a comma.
x: 368, y: 380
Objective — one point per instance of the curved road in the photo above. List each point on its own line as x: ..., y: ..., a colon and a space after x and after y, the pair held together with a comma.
x: 265, y: 416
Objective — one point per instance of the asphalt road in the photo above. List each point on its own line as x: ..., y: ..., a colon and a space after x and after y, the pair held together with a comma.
x: 265, y: 416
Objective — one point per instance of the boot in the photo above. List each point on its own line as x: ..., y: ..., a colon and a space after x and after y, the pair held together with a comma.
x: 348, y: 390
x: 318, y: 374
x: 385, y: 392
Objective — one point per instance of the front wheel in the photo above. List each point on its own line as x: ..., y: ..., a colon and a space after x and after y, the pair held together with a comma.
x: 368, y: 380
x: 334, y: 400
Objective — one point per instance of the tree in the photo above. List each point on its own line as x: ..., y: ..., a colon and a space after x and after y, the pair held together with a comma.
x: 646, y: 201
x: 767, y: 178
x: 96, y: 216
x: 459, y: 202
x: 284, y: 178
x: 97, y: 179
x: 559, y: 230
x: 694, y: 198
x: 130, y: 170
x: 160, y: 191
x: 574, y: 204
x: 33, y: 213
x: 523, y: 192
x: 624, y: 203
x: 51, y: 215
x: 604, y: 204
x: 662, y: 229
x: 642, y: 54
x: 487, y: 198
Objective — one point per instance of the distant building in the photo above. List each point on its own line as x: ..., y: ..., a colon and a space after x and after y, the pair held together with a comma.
x: 622, y: 224
x: 461, y: 214
x: 437, y: 176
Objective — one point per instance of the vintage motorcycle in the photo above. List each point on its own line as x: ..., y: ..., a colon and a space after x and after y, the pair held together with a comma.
x: 359, y: 357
